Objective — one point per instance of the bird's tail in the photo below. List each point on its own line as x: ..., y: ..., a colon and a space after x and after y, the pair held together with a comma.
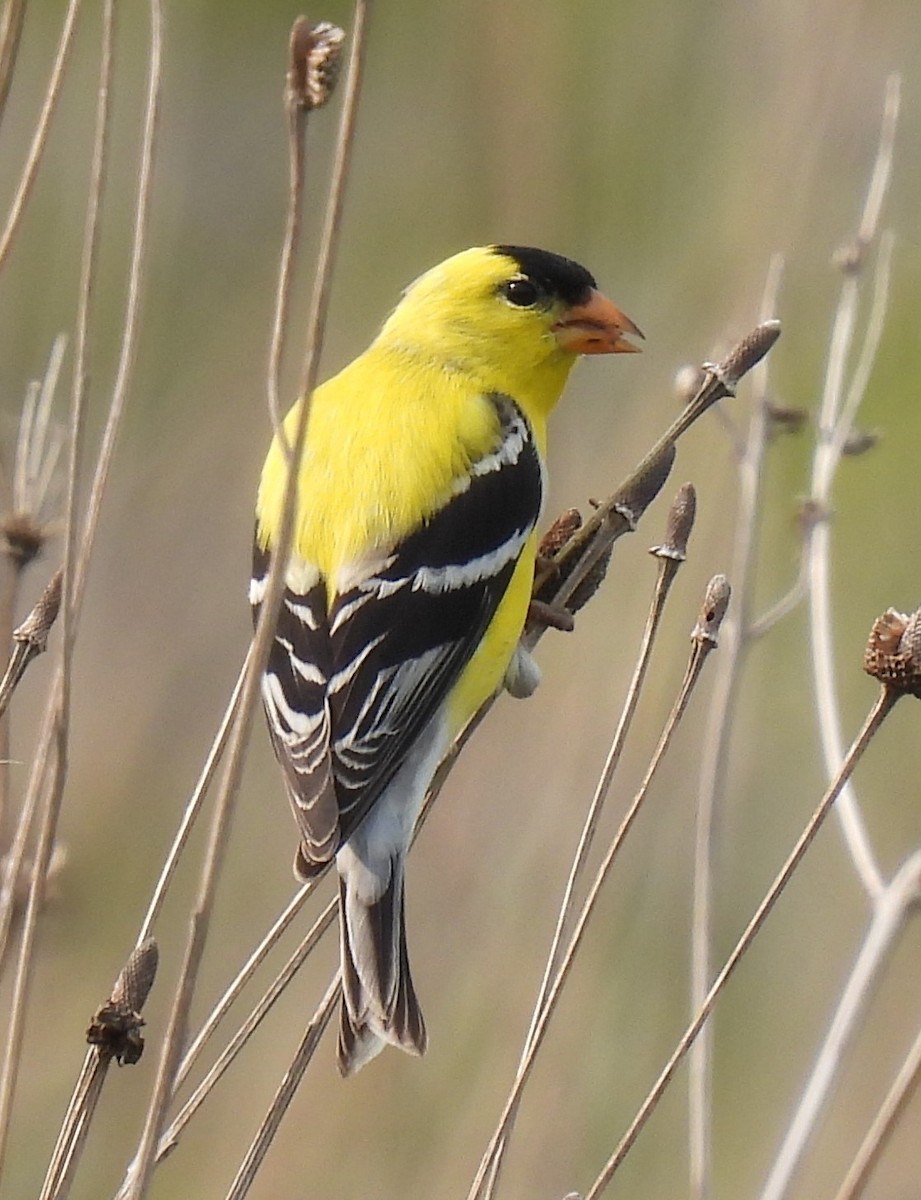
x: 379, y: 1004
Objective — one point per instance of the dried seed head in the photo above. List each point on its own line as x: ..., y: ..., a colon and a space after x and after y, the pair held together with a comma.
x: 785, y: 420
x: 859, y: 441
x: 35, y: 628
x: 636, y: 495
x: 559, y: 533
x: 116, y: 1026
x: 745, y: 355
x: 712, y: 611
x: 893, y: 653
x: 849, y: 258
x: 314, y: 60
x: 679, y: 525
x: 24, y: 538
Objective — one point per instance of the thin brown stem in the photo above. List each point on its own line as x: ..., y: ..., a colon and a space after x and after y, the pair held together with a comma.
x: 881, y: 709
x: 225, y: 802
x: 700, y: 652
x: 40, y: 135
x: 285, y: 1094
x: 11, y: 21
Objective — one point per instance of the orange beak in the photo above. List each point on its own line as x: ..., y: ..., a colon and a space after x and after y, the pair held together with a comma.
x: 596, y: 327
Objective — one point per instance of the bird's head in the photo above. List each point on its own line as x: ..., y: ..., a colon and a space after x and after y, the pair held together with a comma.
x: 514, y: 316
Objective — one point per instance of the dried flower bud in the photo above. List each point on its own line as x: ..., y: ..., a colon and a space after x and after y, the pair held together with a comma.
x: 893, y: 653
x: 559, y: 533
x: 35, y: 628
x: 859, y: 441
x: 680, y: 523
x: 24, y: 538
x: 712, y: 611
x: 849, y: 258
x: 315, y: 54
x: 785, y: 420
x: 745, y: 355
x: 636, y: 495
x: 116, y: 1026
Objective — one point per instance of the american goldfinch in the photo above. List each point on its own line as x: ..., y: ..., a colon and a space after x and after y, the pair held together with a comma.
x: 409, y: 578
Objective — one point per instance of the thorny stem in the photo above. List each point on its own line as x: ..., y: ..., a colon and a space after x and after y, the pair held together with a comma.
x: 668, y: 569
x: 714, y: 753
x: 888, y: 921
x: 700, y: 652
x: 225, y: 802
x: 833, y: 411
x: 881, y: 709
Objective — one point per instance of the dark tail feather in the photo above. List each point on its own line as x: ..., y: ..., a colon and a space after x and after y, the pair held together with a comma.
x: 379, y: 1004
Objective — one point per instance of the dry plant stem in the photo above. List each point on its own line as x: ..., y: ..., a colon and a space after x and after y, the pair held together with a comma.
x: 61, y: 690
x: 478, y: 1188
x: 67, y: 1151
x: 889, y: 913
x: 831, y: 433
x: 667, y: 570
x: 74, y: 1120
x: 193, y: 808
x: 40, y: 136
x: 11, y: 20
x: 592, y: 541
x: 881, y: 709
x: 874, y: 1143
x: 246, y: 972
x: 333, y: 218
x: 225, y: 802
x: 714, y: 753
x: 253, y: 1020
x: 285, y: 1094
x: 297, y: 126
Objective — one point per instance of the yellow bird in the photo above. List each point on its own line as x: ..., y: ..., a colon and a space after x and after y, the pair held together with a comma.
x: 409, y: 579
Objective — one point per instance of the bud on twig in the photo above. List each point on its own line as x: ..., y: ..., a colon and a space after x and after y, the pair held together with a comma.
x: 712, y: 611
x: 679, y: 525
x: 116, y: 1026
x: 314, y: 59
x: 747, y: 354
x: 893, y: 653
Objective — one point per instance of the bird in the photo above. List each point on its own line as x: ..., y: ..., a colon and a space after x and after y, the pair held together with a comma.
x: 409, y: 579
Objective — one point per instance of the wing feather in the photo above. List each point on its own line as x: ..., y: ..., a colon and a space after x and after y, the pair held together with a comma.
x: 350, y: 687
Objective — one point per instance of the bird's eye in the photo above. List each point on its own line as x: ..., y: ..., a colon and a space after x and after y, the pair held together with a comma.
x: 520, y: 291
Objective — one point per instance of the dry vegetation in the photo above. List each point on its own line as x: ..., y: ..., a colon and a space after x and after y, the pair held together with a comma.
x: 537, y: 1066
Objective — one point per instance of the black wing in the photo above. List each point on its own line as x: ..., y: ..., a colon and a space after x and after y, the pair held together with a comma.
x: 347, y: 691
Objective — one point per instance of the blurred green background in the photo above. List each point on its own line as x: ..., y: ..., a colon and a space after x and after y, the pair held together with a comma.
x: 673, y: 148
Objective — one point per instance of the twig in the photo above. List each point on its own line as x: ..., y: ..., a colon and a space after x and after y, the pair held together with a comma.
x: 888, y: 921
x: 827, y: 455
x: 881, y: 709
x: 11, y: 20
x: 59, y: 743
x: 874, y: 1143
x: 114, y: 1034
x: 714, y: 752
x: 259, y: 1148
x: 225, y: 801
x: 40, y: 136
x: 671, y: 554
x: 704, y: 640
